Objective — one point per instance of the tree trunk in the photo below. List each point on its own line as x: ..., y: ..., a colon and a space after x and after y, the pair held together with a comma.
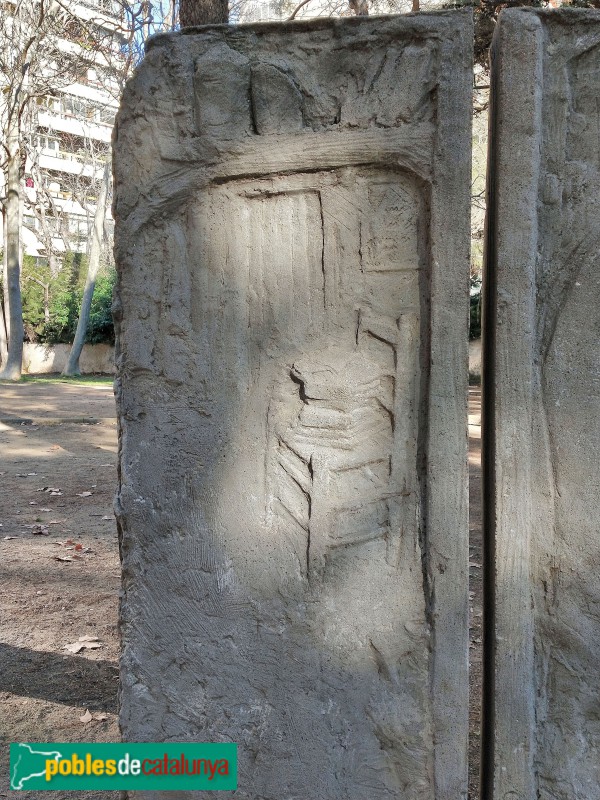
x: 11, y: 370
x: 72, y: 365
x: 203, y: 12
x: 4, y: 308
x: 3, y: 339
x: 359, y: 7
x: 53, y: 263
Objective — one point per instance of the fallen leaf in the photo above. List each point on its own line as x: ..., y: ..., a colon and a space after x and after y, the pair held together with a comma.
x: 33, y: 503
x: 62, y: 558
x: 100, y: 717
x: 84, y: 494
x: 45, y: 509
x: 88, y: 638
x: 83, y: 644
x: 87, y: 717
x: 6, y: 538
x: 78, y: 547
x: 73, y: 648
x: 109, y: 518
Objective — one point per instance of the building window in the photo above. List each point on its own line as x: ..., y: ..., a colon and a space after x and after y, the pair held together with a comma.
x: 30, y: 222
x: 47, y: 143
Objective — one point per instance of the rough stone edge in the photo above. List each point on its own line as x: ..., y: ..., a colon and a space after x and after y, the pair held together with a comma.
x: 514, y: 157
x: 446, y: 519
x: 418, y: 21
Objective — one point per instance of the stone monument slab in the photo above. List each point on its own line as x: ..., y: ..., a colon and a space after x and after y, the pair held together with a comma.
x: 292, y: 242
x: 541, y: 409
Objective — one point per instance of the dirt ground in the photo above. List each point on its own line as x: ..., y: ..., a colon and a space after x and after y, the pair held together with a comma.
x: 59, y: 570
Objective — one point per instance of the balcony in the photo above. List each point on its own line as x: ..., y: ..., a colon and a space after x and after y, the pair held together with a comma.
x: 61, y: 121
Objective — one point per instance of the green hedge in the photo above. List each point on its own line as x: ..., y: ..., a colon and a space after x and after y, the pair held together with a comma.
x: 65, y: 291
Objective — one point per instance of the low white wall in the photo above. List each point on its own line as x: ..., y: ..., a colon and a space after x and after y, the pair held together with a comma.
x: 40, y: 358
x: 475, y: 357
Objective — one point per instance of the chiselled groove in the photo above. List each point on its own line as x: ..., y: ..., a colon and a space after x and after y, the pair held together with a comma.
x: 409, y: 146
x: 306, y: 153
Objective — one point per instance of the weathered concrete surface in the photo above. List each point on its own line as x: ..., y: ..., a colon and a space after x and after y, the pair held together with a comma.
x: 292, y: 206
x: 541, y: 409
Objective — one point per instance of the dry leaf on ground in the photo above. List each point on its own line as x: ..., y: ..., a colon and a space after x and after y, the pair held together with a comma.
x: 87, y: 717
x: 84, y: 643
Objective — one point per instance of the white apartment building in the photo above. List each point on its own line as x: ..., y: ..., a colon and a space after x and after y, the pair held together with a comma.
x: 71, y: 139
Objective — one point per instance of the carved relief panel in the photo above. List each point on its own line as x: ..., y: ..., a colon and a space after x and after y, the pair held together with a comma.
x: 293, y: 488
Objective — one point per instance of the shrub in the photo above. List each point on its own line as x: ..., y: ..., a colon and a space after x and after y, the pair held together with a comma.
x: 475, y: 310
x: 51, y: 304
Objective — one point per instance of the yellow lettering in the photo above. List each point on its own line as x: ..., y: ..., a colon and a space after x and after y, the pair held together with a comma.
x: 51, y: 769
x: 78, y: 765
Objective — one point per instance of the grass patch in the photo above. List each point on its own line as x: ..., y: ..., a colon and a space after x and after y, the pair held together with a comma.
x: 56, y: 377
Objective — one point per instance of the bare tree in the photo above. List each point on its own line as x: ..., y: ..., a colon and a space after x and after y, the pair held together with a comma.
x: 46, y: 46
x: 72, y: 365
x: 34, y: 61
x: 203, y: 12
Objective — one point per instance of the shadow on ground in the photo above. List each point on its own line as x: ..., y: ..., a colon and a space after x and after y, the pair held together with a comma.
x: 71, y: 680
